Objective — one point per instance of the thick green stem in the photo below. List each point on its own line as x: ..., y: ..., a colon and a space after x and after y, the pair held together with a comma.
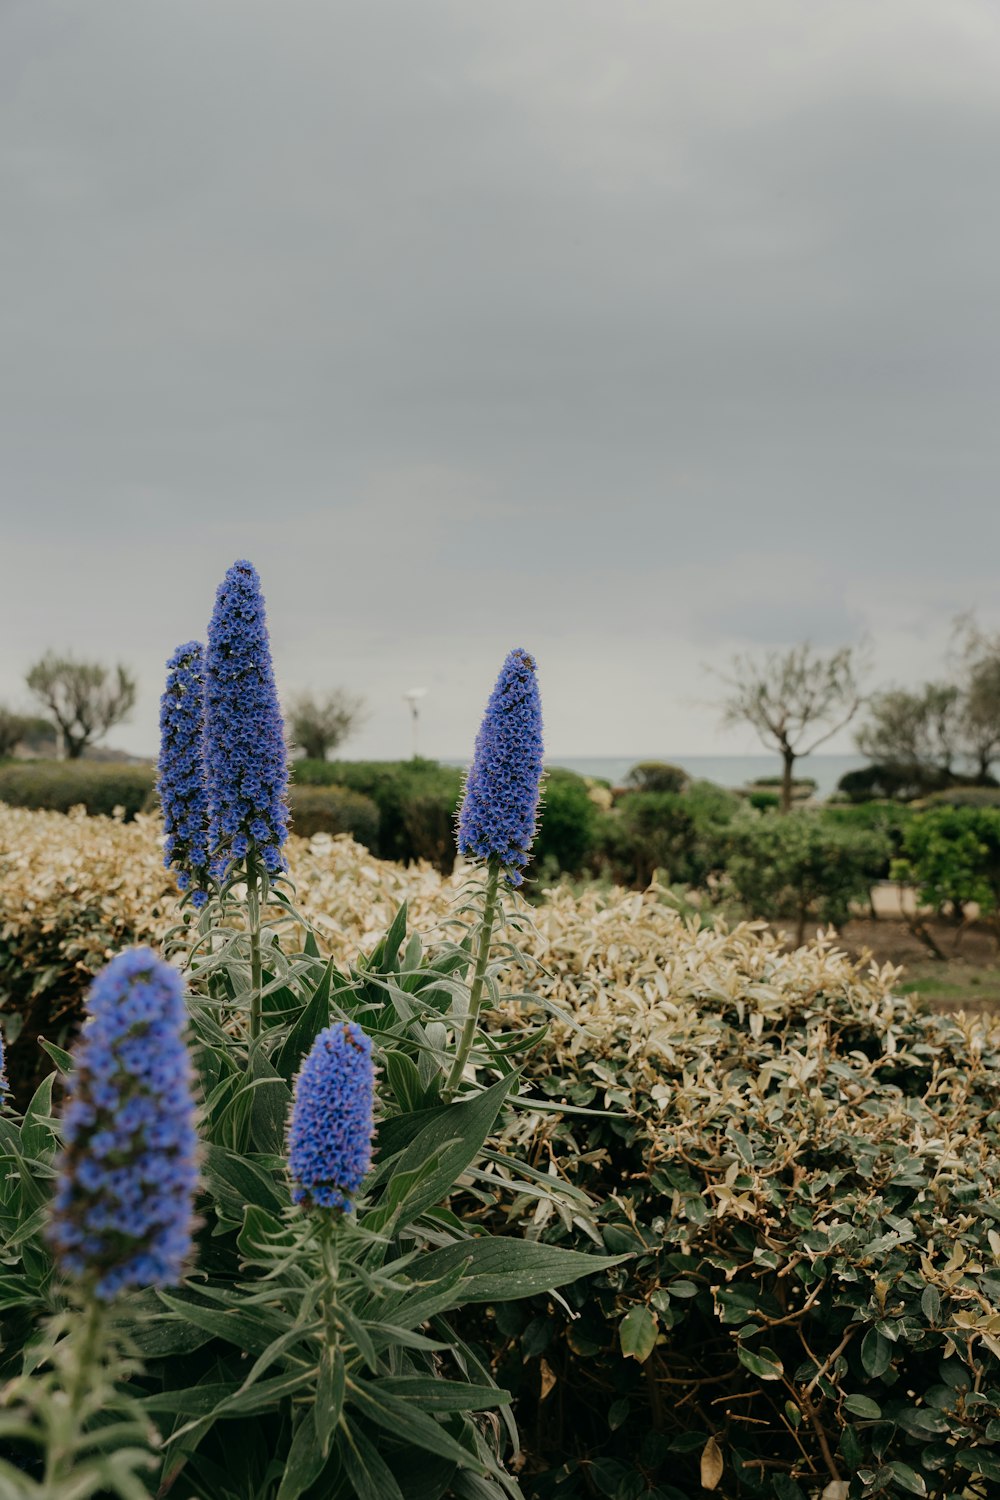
x: 490, y: 908
x: 83, y: 1371
x: 253, y: 920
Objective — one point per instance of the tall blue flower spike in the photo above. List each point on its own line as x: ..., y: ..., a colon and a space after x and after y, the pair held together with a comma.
x: 330, y: 1135
x: 126, y: 1178
x: 500, y: 807
x: 4, y: 1085
x: 245, y: 756
x: 181, y: 779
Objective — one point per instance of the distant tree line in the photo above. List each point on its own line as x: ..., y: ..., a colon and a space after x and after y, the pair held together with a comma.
x: 919, y: 740
x: 83, y: 700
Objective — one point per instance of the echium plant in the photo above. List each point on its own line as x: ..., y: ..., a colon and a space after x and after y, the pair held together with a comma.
x: 245, y: 756
x: 498, y: 816
x: 181, y: 772
x: 121, y: 1219
x: 330, y: 1135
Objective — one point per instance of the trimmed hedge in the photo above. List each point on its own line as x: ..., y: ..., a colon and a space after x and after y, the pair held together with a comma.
x: 98, y: 786
x: 417, y: 802
x: 333, y: 809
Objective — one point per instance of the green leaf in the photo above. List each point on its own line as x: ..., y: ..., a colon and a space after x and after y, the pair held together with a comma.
x: 269, y: 1109
x: 411, y: 1425
x: 433, y: 1394
x: 315, y: 1015
x: 907, y: 1479
x: 454, y: 1136
x: 637, y: 1333
x: 329, y: 1394
x: 63, y: 1060
x: 876, y: 1353
x: 367, y: 1471
x: 305, y: 1462
x: 507, y: 1268
x: 979, y: 1462
x: 385, y: 955
x: 404, y: 1080
x: 246, y: 1330
x: 863, y: 1406
x: 37, y: 1135
x: 930, y: 1304
x: 763, y: 1363
x: 234, y: 1181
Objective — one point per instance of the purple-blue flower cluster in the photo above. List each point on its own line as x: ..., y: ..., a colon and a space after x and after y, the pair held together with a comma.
x: 181, y: 780
x: 4, y: 1085
x: 499, y: 811
x: 122, y: 1211
x: 330, y: 1135
x: 245, y: 757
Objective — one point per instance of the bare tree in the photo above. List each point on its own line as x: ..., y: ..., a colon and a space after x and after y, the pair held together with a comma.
x: 83, y: 698
x: 319, y: 725
x: 796, y: 700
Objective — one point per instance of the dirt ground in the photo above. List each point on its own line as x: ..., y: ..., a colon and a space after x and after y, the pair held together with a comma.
x: 967, y: 978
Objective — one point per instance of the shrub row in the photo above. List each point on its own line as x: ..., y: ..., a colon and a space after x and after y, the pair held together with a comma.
x: 807, y: 1170
x: 57, y: 785
x: 109, y: 789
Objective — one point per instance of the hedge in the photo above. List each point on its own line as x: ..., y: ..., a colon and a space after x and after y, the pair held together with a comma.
x: 99, y: 786
x: 806, y: 1170
x: 333, y: 809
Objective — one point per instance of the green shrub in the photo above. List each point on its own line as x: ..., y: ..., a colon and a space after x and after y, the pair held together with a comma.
x: 417, y: 801
x: 806, y: 1169
x: 650, y: 832
x: 568, y: 826
x: 657, y: 776
x: 964, y: 796
x: 952, y: 855
x: 764, y: 801
x: 902, y: 783
x: 58, y: 785
x: 800, y: 865
x: 333, y: 809
x: 890, y: 819
x: 801, y: 785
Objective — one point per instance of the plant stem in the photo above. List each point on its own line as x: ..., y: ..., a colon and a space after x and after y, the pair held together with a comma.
x: 253, y: 919
x: 490, y: 907
x: 85, y: 1350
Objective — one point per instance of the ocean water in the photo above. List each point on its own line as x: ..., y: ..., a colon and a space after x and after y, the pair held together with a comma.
x: 725, y: 770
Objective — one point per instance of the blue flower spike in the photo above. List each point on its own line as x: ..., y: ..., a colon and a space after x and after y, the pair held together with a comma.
x: 330, y: 1135
x: 181, y: 772
x: 122, y: 1214
x: 245, y: 756
x: 499, y: 811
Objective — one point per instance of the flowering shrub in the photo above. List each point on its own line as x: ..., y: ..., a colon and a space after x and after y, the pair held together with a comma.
x: 310, y: 1352
x: 806, y: 1169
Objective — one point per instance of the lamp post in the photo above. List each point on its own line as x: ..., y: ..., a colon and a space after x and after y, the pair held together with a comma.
x: 413, y: 696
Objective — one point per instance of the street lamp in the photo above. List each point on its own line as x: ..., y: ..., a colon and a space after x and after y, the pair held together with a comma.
x: 413, y: 696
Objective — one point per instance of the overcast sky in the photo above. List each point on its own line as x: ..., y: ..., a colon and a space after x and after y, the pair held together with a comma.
x: 632, y: 333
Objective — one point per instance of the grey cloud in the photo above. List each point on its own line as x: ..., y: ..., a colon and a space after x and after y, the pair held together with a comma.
x: 646, y: 330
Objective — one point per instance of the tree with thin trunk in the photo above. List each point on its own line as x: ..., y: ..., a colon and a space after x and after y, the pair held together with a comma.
x: 796, y: 700
x: 319, y: 725
x: 919, y: 730
x: 977, y: 658
x: 83, y: 698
